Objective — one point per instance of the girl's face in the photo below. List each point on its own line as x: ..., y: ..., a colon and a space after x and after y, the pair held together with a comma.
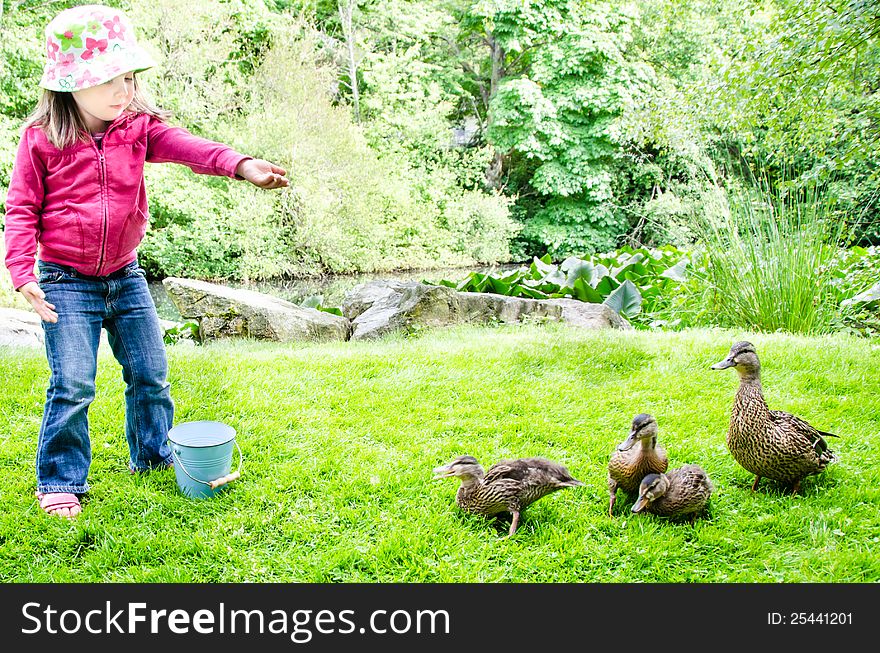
x: 102, y: 104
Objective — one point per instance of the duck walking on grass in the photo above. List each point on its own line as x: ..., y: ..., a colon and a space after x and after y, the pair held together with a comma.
x: 682, y: 492
x: 629, y: 463
x: 769, y: 443
x: 508, y: 486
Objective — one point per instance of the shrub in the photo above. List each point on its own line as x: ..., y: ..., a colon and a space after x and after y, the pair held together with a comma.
x: 770, y: 254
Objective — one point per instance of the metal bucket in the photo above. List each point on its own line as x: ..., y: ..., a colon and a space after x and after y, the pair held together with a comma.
x: 202, y: 453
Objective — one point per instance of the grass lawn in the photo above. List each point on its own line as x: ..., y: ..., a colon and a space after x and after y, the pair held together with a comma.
x: 339, y: 441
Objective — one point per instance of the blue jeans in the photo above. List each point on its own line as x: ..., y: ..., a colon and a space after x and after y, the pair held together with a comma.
x: 121, y: 303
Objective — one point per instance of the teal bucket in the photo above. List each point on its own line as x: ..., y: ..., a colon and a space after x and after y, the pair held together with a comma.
x: 202, y: 453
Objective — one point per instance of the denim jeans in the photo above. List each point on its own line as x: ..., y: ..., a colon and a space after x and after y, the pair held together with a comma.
x: 121, y: 303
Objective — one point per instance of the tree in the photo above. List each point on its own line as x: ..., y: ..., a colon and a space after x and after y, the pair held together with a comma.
x: 556, y: 81
x: 804, y: 97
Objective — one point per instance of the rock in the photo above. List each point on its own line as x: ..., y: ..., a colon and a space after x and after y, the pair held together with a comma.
x: 381, y: 307
x: 480, y: 308
x: 589, y: 316
x: 367, y: 294
x: 225, y: 312
x: 20, y: 328
x: 402, y: 307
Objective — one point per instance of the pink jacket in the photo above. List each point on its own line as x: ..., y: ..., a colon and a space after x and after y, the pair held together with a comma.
x: 87, y: 207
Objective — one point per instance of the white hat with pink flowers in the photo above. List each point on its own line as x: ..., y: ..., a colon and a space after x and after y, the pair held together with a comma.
x: 90, y: 45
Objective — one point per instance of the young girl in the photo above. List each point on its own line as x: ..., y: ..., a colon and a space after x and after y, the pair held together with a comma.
x: 77, y: 200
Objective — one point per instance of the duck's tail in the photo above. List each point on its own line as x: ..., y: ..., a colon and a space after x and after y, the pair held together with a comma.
x: 825, y: 455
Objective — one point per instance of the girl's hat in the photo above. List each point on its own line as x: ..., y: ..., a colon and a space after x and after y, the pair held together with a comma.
x: 90, y: 45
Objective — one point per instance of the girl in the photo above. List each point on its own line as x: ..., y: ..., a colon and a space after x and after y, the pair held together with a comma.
x: 77, y: 200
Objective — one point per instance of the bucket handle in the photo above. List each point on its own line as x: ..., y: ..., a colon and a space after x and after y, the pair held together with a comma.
x: 217, y: 482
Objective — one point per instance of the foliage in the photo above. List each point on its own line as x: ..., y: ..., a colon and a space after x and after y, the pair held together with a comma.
x: 182, y: 331
x: 800, y: 93
x: 560, y: 115
x: 771, y: 258
x: 628, y: 280
x: 349, y: 210
x: 490, y: 130
x: 317, y: 302
x: 859, y: 290
x: 8, y: 296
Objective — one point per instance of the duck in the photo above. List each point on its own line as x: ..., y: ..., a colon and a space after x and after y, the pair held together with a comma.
x: 770, y: 443
x: 507, y: 487
x: 630, y: 464
x: 681, y: 492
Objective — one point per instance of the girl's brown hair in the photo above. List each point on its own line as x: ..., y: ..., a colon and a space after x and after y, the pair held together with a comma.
x: 57, y: 114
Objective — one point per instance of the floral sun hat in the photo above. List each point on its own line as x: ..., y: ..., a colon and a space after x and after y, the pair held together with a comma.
x: 90, y: 45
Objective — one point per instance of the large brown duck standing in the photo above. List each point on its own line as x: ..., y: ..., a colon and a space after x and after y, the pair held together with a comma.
x: 508, y: 486
x: 769, y: 443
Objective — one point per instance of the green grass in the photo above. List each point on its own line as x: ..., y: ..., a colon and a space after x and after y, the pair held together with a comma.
x: 339, y: 441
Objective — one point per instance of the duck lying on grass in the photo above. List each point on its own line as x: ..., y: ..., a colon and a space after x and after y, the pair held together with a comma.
x: 508, y: 486
x: 629, y: 463
x: 682, y: 492
x: 769, y: 443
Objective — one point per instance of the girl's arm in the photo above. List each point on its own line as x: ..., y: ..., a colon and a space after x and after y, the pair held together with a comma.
x: 24, y: 201
x: 176, y: 145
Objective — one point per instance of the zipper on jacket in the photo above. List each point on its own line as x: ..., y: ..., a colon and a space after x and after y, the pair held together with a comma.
x: 105, y: 218
x: 105, y: 192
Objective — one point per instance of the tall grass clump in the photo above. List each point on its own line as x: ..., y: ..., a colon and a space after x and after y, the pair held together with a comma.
x: 770, y: 251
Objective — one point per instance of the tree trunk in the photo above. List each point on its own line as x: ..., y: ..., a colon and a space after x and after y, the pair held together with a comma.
x: 346, y: 11
x: 495, y: 168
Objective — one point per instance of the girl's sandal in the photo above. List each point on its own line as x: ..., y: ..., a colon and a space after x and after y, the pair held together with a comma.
x: 61, y: 504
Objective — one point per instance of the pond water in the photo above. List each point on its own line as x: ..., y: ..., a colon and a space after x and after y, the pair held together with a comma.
x: 332, y: 288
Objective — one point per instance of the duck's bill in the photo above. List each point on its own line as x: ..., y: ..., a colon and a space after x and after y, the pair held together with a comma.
x: 640, y: 504
x: 441, y: 472
x: 723, y: 365
x: 627, y: 444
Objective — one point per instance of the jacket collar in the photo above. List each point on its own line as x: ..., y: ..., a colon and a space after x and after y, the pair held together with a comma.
x: 125, y: 118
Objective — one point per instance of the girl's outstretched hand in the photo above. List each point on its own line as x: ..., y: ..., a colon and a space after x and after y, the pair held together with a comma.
x: 35, y: 295
x: 262, y: 173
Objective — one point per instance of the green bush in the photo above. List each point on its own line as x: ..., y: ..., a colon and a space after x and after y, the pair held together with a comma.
x: 211, y: 228
x: 349, y: 209
x: 771, y: 254
x: 858, y: 288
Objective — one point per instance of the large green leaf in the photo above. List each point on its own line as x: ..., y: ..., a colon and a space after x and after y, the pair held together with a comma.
x: 625, y: 262
x: 555, y: 278
x: 626, y: 299
x: 872, y: 294
x: 498, y: 286
x: 606, y: 285
x: 541, y: 267
x: 585, y: 292
x: 677, y: 271
x: 577, y: 269
x: 531, y: 293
